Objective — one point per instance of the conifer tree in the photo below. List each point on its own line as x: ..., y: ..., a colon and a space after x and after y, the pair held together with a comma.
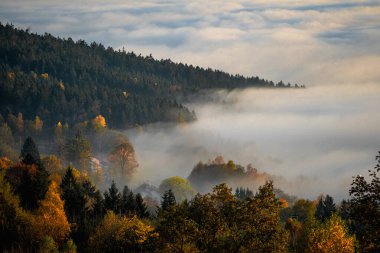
x: 141, y: 208
x: 325, y: 208
x: 168, y: 200
x: 112, y: 199
x: 72, y: 195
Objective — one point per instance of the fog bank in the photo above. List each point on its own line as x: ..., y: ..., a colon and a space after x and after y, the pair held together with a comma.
x: 316, y: 139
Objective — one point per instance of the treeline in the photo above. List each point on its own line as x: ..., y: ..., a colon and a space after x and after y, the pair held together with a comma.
x: 62, y: 80
x: 44, y: 213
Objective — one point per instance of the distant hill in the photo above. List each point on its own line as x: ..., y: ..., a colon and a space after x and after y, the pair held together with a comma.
x: 62, y: 80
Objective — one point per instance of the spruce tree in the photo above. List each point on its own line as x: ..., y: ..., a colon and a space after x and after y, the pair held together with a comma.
x: 73, y: 196
x: 325, y: 208
x: 29, y: 152
x: 141, y: 208
x: 33, y: 186
x: 112, y: 199
x: 168, y: 200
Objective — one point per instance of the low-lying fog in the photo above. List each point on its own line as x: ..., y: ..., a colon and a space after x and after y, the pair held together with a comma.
x: 316, y: 138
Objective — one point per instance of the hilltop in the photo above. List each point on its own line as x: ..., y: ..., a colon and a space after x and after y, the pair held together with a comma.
x: 62, y: 80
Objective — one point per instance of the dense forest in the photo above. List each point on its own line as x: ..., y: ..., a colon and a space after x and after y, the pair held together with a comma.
x: 66, y: 172
x: 60, y: 80
x: 46, y: 208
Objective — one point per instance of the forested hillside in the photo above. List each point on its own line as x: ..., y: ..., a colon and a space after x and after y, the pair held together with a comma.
x: 62, y: 80
x: 43, y: 209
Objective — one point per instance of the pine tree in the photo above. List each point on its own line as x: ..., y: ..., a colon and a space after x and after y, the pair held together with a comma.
x: 29, y: 152
x: 168, y: 200
x: 72, y: 195
x: 112, y: 199
x: 365, y: 211
x: 325, y: 208
x: 124, y: 200
x: 141, y: 208
x: 34, y: 181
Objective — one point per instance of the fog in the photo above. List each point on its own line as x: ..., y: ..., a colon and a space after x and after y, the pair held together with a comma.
x: 314, y: 140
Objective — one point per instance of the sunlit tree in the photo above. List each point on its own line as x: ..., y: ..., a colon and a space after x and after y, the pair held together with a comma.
x: 330, y: 237
x: 121, y: 234
x: 51, y: 218
x: 180, y: 187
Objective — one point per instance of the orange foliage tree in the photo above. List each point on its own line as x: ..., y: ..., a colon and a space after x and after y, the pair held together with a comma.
x: 51, y: 218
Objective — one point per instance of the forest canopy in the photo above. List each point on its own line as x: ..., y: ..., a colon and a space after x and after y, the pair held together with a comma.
x: 60, y: 80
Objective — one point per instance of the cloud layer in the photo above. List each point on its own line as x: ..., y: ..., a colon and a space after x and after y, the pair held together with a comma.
x: 314, y: 139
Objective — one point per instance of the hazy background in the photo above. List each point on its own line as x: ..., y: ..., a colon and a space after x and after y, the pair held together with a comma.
x: 316, y: 138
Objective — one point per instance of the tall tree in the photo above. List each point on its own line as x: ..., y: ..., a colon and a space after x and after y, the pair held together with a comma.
x: 365, y: 209
x: 331, y: 236
x: 51, y: 218
x: 73, y: 196
x: 29, y: 152
x: 141, y: 208
x: 29, y: 178
x: 112, y: 199
x: 168, y: 200
x: 78, y: 151
x: 325, y: 208
x: 123, y: 161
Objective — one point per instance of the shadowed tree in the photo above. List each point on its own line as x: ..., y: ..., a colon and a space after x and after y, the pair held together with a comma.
x: 112, y: 199
x: 29, y: 152
x: 365, y: 209
x: 72, y: 195
x: 168, y: 200
x: 325, y: 208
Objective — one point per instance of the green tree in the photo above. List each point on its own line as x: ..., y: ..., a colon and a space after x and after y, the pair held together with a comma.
x: 128, y: 202
x: 112, y: 199
x: 168, y: 200
x: 364, y: 209
x: 141, y: 209
x: 257, y: 226
x: 180, y: 187
x: 47, y: 245
x: 325, y: 208
x: 73, y: 196
x: 29, y: 152
x: 178, y: 232
x: 78, y: 151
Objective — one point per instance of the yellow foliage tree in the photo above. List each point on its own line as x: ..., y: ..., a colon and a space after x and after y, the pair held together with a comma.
x: 121, y: 234
x: 99, y: 122
x: 330, y: 237
x: 51, y: 218
x: 38, y: 123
